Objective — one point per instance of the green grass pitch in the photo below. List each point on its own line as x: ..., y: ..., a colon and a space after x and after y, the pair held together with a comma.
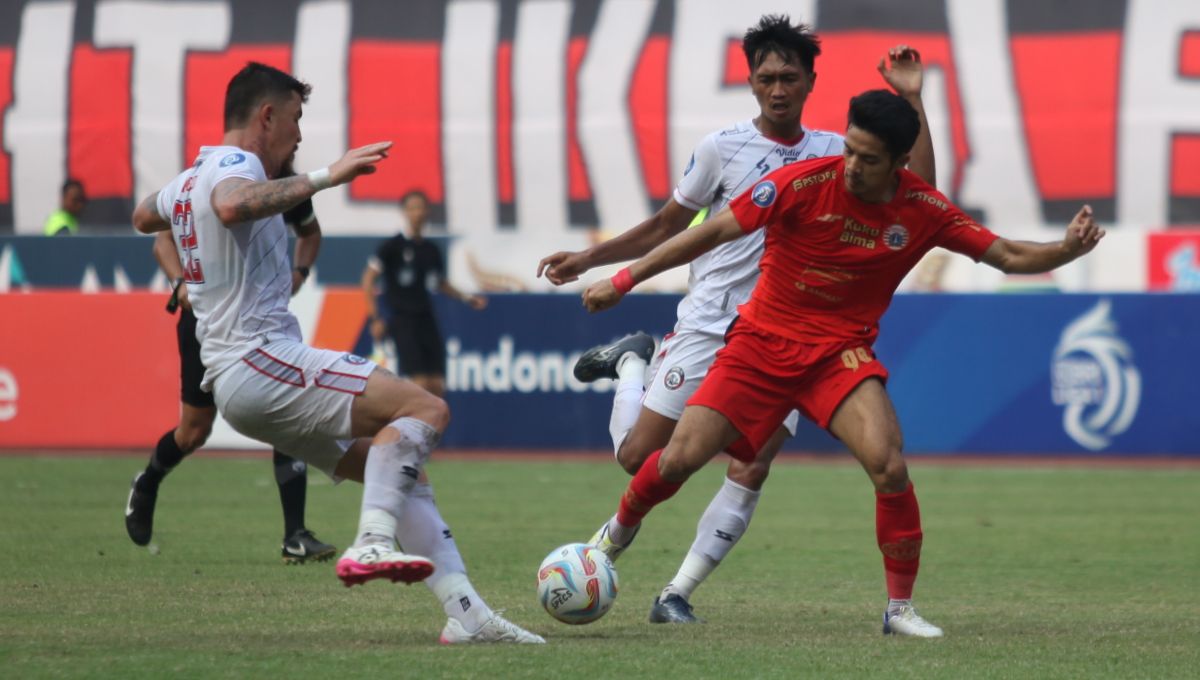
x: 1039, y: 572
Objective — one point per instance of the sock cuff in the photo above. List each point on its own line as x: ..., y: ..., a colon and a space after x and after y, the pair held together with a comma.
x: 420, y: 490
x: 908, y: 491
x: 742, y: 495
x: 417, y: 431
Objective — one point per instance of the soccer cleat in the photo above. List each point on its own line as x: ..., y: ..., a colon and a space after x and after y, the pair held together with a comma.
x: 672, y: 609
x: 139, y: 512
x: 906, y: 621
x: 302, y: 546
x: 602, y: 541
x: 601, y: 362
x: 497, y: 629
x: 377, y: 560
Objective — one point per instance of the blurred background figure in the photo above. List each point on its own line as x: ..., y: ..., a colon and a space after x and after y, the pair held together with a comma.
x: 65, y: 220
x: 410, y: 267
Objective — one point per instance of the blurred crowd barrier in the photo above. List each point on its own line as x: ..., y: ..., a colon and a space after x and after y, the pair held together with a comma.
x: 1022, y: 374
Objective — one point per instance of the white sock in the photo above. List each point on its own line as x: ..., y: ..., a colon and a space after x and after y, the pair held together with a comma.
x: 894, y: 606
x: 619, y: 533
x: 390, y: 473
x: 627, y: 400
x: 720, y: 528
x: 692, y: 572
x: 422, y: 531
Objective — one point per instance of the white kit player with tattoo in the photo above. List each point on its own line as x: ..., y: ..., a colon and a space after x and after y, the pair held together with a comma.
x: 653, y: 388
x: 336, y: 411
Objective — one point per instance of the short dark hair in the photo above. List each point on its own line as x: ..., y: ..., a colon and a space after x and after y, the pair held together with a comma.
x: 775, y: 33
x: 889, y: 117
x: 71, y: 183
x: 414, y: 193
x: 253, y: 84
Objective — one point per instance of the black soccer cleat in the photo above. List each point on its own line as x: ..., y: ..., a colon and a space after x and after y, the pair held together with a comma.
x: 601, y: 362
x: 672, y: 609
x: 139, y: 512
x: 302, y: 546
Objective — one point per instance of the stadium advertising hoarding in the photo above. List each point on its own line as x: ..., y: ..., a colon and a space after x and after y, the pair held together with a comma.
x: 1023, y: 374
x: 549, y: 115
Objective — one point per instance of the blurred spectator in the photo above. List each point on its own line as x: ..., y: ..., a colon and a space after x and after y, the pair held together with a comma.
x: 65, y: 220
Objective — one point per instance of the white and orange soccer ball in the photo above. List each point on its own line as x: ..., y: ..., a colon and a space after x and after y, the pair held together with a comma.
x: 577, y: 583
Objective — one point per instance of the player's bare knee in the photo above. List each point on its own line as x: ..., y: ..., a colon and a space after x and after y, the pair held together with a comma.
x: 191, y: 436
x: 631, y: 458
x: 890, y: 473
x: 750, y: 475
x: 430, y: 410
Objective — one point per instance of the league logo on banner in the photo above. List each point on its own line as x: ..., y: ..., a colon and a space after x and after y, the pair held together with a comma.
x: 1094, y: 378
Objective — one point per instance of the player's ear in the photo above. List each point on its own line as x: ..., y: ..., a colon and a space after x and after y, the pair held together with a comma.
x: 902, y: 161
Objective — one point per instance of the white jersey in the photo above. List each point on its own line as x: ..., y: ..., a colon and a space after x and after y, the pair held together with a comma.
x: 239, y: 277
x: 723, y: 165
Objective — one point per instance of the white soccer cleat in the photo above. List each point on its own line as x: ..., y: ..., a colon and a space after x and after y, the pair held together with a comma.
x: 906, y: 621
x: 377, y: 560
x: 602, y: 540
x: 497, y: 629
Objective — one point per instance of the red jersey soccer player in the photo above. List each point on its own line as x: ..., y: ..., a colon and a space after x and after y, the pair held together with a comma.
x: 841, y: 234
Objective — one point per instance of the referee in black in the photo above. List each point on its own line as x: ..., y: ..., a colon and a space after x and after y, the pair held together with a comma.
x: 410, y: 267
x: 198, y: 409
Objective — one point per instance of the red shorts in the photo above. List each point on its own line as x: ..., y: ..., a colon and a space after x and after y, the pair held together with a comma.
x: 759, y: 377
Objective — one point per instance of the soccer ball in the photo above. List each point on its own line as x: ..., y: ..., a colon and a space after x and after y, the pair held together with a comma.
x: 577, y: 583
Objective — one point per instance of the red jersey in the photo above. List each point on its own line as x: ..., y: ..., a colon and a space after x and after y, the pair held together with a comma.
x: 832, y: 262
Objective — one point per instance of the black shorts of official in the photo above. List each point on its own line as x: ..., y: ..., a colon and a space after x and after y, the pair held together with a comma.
x: 419, y: 344
x: 191, y: 370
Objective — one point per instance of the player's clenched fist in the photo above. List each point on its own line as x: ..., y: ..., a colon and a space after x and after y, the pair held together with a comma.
x: 601, y: 295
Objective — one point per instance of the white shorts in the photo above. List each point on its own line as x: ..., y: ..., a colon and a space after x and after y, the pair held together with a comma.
x: 295, y: 398
x: 679, y: 367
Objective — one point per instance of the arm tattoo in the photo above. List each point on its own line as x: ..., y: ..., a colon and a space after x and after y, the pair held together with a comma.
x: 257, y: 200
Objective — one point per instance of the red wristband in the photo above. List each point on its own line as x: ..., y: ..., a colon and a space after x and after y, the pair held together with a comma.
x: 623, y: 281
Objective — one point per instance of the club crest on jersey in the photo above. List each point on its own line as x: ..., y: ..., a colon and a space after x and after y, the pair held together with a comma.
x: 763, y: 193
x: 232, y: 159
x: 895, y: 237
x: 674, y: 378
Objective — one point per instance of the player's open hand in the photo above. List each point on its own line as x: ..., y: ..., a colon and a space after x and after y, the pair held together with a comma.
x: 360, y: 161
x: 601, y: 295
x: 1083, y: 233
x: 562, y: 267
x: 902, y: 70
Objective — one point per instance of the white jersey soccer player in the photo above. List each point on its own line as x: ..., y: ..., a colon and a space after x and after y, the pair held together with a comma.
x: 334, y: 410
x: 722, y: 166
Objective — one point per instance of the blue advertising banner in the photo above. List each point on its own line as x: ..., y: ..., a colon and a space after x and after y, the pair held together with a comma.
x: 998, y: 374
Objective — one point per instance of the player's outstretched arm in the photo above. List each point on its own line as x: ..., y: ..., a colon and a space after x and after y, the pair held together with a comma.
x: 1025, y: 257
x: 904, y: 73
x: 236, y: 200
x: 680, y: 249
x: 146, y: 218
x: 565, y: 267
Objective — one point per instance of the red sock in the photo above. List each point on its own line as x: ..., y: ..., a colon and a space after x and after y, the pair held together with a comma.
x: 898, y: 530
x: 646, y: 490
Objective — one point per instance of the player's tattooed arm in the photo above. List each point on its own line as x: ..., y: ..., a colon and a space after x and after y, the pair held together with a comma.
x: 236, y: 200
x: 146, y: 218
